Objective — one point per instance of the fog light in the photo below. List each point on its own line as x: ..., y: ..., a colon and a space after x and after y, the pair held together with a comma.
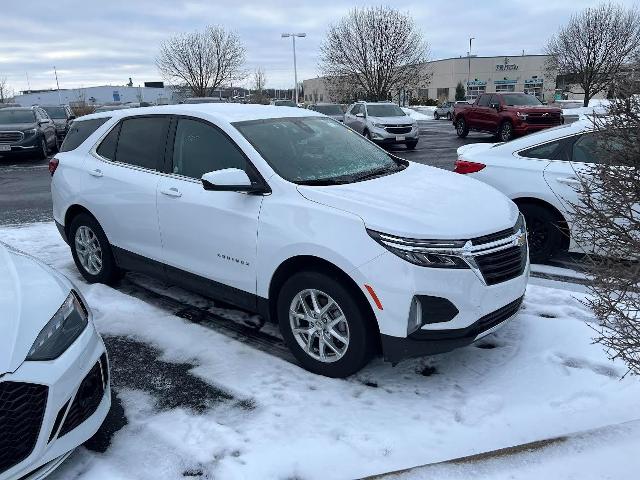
x: 415, y: 316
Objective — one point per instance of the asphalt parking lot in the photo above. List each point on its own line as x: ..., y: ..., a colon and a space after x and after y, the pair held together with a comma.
x: 25, y: 183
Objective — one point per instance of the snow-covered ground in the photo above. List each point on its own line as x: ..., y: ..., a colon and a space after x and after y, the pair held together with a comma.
x: 539, y: 377
x: 419, y: 112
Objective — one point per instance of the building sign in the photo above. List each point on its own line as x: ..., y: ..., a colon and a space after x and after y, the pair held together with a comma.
x: 116, y: 96
x: 506, y: 65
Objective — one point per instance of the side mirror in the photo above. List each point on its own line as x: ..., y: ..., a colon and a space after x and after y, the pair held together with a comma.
x: 495, y: 106
x: 360, y: 115
x: 231, y: 180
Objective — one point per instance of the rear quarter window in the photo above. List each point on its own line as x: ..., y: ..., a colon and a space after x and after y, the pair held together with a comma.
x: 79, y: 131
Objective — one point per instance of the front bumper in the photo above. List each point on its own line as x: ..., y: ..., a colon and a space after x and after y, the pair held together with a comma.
x: 76, y: 401
x: 524, y: 128
x: 382, y: 136
x: 28, y: 143
x: 397, y: 283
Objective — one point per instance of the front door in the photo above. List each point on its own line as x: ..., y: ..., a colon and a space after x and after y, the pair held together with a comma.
x: 209, y: 238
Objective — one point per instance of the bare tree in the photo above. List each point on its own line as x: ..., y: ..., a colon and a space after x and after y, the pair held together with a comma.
x: 373, y: 52
x: 594, y: 46
x: 259, y: 83
x: 607, y: 216
x: 202, y: 61
x: 5, y: 91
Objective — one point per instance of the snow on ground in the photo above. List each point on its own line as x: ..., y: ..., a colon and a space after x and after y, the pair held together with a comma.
x: 538, y: 377
x: 419, y: 113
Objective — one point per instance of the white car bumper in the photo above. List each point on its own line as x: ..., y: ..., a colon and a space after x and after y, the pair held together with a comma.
x: 53, y: 407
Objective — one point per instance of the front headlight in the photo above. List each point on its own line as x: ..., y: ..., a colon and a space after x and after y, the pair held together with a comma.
x: 425, y: 253
x: 522, y: 116
x: 62, y: 330
x: 31, y: 131
x: 377, y: 125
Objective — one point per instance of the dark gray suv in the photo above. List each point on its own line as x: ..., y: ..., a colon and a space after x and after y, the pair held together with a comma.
x: 27, y: 130
x: 62, y: 117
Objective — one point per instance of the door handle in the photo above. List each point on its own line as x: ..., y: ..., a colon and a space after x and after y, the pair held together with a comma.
x: 171, y: 192
x: 95, y: 173
x: 568, y: 180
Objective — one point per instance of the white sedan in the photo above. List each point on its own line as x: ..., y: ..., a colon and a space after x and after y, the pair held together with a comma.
x: 539, y: 172
x: 54, y: 382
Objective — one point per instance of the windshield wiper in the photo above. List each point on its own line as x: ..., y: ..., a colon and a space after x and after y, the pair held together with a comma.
x: 378, y: 172
x: 321, y: 182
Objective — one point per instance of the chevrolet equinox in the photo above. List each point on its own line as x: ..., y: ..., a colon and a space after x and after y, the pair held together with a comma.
x: 293, y: 215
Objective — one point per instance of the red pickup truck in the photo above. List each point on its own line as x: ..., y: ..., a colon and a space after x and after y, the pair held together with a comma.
x: 505, y: 115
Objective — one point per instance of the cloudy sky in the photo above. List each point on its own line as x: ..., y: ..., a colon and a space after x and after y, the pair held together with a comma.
x: 106, y: 42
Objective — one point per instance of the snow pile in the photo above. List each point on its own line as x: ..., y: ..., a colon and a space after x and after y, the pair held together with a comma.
x: 538, y: 377
x: 419, y: 113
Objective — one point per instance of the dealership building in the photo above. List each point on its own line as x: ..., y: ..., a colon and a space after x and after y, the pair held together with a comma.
x: 522, y: 73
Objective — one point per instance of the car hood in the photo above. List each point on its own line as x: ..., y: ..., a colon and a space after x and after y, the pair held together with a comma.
x: 30, y: 294
x: 406, y: 120
x: 533, y: 108
x: 421, y: 202
x: 17, y: 126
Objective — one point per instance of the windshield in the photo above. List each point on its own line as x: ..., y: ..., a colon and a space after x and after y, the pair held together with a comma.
x: 8, y: 116
x: 56, y: 112
x: 514, y: 99
x: 316, y: 150
x: 386, y: 110
x: 329, y: 109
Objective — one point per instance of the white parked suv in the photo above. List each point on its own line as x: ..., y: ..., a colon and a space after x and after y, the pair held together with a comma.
x: 384, y: 123
x: 54, y: 376
x: 539, y: 172
x: 291, y: 214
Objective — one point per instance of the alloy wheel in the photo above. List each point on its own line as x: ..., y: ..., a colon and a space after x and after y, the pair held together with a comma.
x: 505, y: 132
x: 88, y: 250
x: 460, y: 126
x: 319, y: 325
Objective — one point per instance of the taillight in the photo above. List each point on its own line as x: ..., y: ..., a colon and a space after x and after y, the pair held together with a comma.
x: 464, y: 166
x: 53, y: 164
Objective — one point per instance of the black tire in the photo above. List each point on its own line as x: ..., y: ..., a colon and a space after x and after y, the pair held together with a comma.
x: 505, y: 131
x: 58, y: 144
x: 109, y: 273
x: 366, y: 134
x: 44, y: 151
x: 361, y: 343
x: 543, y: 231
x: 449, y: 116
x: 411, y: 145
x: 436, y: 116
x: 462, y: 129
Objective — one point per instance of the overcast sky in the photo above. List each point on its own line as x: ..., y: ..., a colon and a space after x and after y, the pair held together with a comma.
x: 106, y: 42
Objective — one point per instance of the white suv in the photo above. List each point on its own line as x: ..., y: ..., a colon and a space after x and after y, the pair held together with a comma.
x: 384, y: 123
x: 289, y: 213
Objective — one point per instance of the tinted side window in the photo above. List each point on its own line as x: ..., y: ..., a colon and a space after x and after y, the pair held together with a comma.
x: 142, y: 142
x: 586, y: 149
x: 494, y: 99
x: 484, y: 100
x: 107, y: 148
x: 546, y: 151
x: 200, y: 148
x: 79, y: 131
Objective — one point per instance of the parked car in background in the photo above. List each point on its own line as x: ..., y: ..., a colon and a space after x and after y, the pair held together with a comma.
x: 194, y: 100
x: 539, y: 173
x: 505, y: 115
x: 332, y: 110
x: 27, y: 130
x: 54, y: 376
x: 343, y: 244
x: 283, y: 103
x: 62, y: 117
x: 8, y: 105
x: 384, y: 123
x: 444, y: 110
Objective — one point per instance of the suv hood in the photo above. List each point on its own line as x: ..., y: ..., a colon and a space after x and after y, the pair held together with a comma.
x: 421, y: 202
x: 406, y: 120
x: 533, y: 108
x: 30, y: 294
x: 17, y: 126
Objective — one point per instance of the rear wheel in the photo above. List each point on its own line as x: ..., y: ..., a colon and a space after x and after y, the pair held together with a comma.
x: 543, y: 231
x: 91, y: 251
x: 462, y: 130
x: 323, y: 325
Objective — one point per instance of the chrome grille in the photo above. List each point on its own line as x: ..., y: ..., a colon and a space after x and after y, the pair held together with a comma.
x: 398, y: 129
x: 544, y: 118
x: 11, y: 137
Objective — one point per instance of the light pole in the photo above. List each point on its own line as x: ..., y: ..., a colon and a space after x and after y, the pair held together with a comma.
x: 57, y: 85
x: 295, y: 68
x: 469, y: 74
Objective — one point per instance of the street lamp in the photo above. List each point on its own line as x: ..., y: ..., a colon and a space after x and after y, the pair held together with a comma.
x: 469, y: 74
x: 295, y: 69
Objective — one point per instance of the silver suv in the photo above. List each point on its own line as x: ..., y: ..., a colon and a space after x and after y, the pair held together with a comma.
x: 383, y: 123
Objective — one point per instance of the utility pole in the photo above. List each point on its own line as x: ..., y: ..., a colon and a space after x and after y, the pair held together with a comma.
x: 469, y: 73
x: 295, y: 68
x: 57, y: 85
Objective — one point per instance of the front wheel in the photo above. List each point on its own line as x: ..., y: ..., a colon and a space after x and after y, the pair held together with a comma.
x: 449, y: 116
x: 44, y: 151
x: 505, y: 133
x: 462, y: 130
x: 411, y: 145
x: 323, y: 325
x: 436, y: 116
x: 543, y: 231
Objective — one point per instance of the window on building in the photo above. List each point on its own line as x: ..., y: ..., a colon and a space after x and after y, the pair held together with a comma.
x: 511, y: 87
x: 474, y: 91
x: 442, y: 94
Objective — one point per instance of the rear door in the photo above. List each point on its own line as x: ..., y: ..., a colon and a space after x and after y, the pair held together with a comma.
x: 204, y: 233
x: 121, y: 182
